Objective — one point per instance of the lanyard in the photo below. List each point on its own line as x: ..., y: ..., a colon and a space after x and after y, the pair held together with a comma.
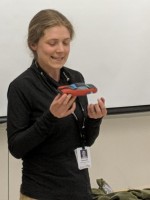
x: 81, y: 127
x: 50, y: 83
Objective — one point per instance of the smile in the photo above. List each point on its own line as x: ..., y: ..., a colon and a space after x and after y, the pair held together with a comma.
x: 57, y: 58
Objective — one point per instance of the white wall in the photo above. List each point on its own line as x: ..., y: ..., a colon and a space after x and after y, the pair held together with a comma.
x: 121, y: 153
x: 3, y: 164
x: 111, y: 44
x: 120, y: 156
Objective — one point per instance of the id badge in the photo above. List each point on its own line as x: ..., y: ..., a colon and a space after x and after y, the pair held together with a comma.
x: 83, y: 157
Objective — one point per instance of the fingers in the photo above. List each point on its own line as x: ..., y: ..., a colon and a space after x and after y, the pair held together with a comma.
x: 97, y: 110
x: 69, y: 100
x: 63, y: 105
x: 91, y: 111
x: 65, y: 99
x: 71, y: 109
x: 101, y: 103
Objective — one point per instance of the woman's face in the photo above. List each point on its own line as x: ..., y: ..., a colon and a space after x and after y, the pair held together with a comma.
x: 53, y: 48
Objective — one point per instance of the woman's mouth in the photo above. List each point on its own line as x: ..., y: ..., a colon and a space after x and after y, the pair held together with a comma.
x: 57, y: 58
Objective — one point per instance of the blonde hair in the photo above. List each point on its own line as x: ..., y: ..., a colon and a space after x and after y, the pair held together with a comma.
x: 46, y: 19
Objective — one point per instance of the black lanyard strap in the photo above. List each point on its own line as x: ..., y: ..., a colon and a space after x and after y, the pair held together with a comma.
x: 81, y: 127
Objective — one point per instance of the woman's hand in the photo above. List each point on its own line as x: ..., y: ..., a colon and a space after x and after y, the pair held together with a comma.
x: 98, y: 110
x: 63, y: 105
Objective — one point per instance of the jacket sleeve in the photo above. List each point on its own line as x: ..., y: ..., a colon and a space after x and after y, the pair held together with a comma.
x: 23, y: 135
x: 92, y: 129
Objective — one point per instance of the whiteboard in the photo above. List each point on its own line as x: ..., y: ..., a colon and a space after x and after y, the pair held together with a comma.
x: 111, y: 47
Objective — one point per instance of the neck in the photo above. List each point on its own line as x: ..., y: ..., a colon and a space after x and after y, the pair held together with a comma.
x: 53, y: 73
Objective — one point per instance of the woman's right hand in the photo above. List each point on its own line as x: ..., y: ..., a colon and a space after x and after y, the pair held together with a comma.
x: 63, y: 105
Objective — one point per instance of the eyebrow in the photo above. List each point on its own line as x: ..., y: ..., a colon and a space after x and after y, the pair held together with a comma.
x: 58, y: 39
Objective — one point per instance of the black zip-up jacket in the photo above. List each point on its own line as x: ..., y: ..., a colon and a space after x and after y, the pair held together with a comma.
x: 45, y: 143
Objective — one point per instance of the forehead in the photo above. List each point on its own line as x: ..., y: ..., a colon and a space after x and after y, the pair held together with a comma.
x: 57, y: 32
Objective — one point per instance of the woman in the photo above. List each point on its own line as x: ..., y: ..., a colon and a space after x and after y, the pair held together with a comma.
x: 46, y: 128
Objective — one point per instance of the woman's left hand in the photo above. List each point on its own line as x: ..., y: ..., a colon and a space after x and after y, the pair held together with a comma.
x: 97, y: 110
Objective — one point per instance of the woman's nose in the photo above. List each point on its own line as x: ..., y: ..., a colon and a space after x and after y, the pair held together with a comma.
x: 60, y: 47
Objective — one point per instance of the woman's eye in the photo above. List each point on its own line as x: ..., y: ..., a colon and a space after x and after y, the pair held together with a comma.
x: 66, y: 43
x: 52, y: 43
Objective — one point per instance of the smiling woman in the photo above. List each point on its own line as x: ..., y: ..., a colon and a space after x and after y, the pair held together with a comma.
x: 45, y: 128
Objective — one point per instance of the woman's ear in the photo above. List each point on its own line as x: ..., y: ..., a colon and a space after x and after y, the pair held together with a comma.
x: 33, y: 47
